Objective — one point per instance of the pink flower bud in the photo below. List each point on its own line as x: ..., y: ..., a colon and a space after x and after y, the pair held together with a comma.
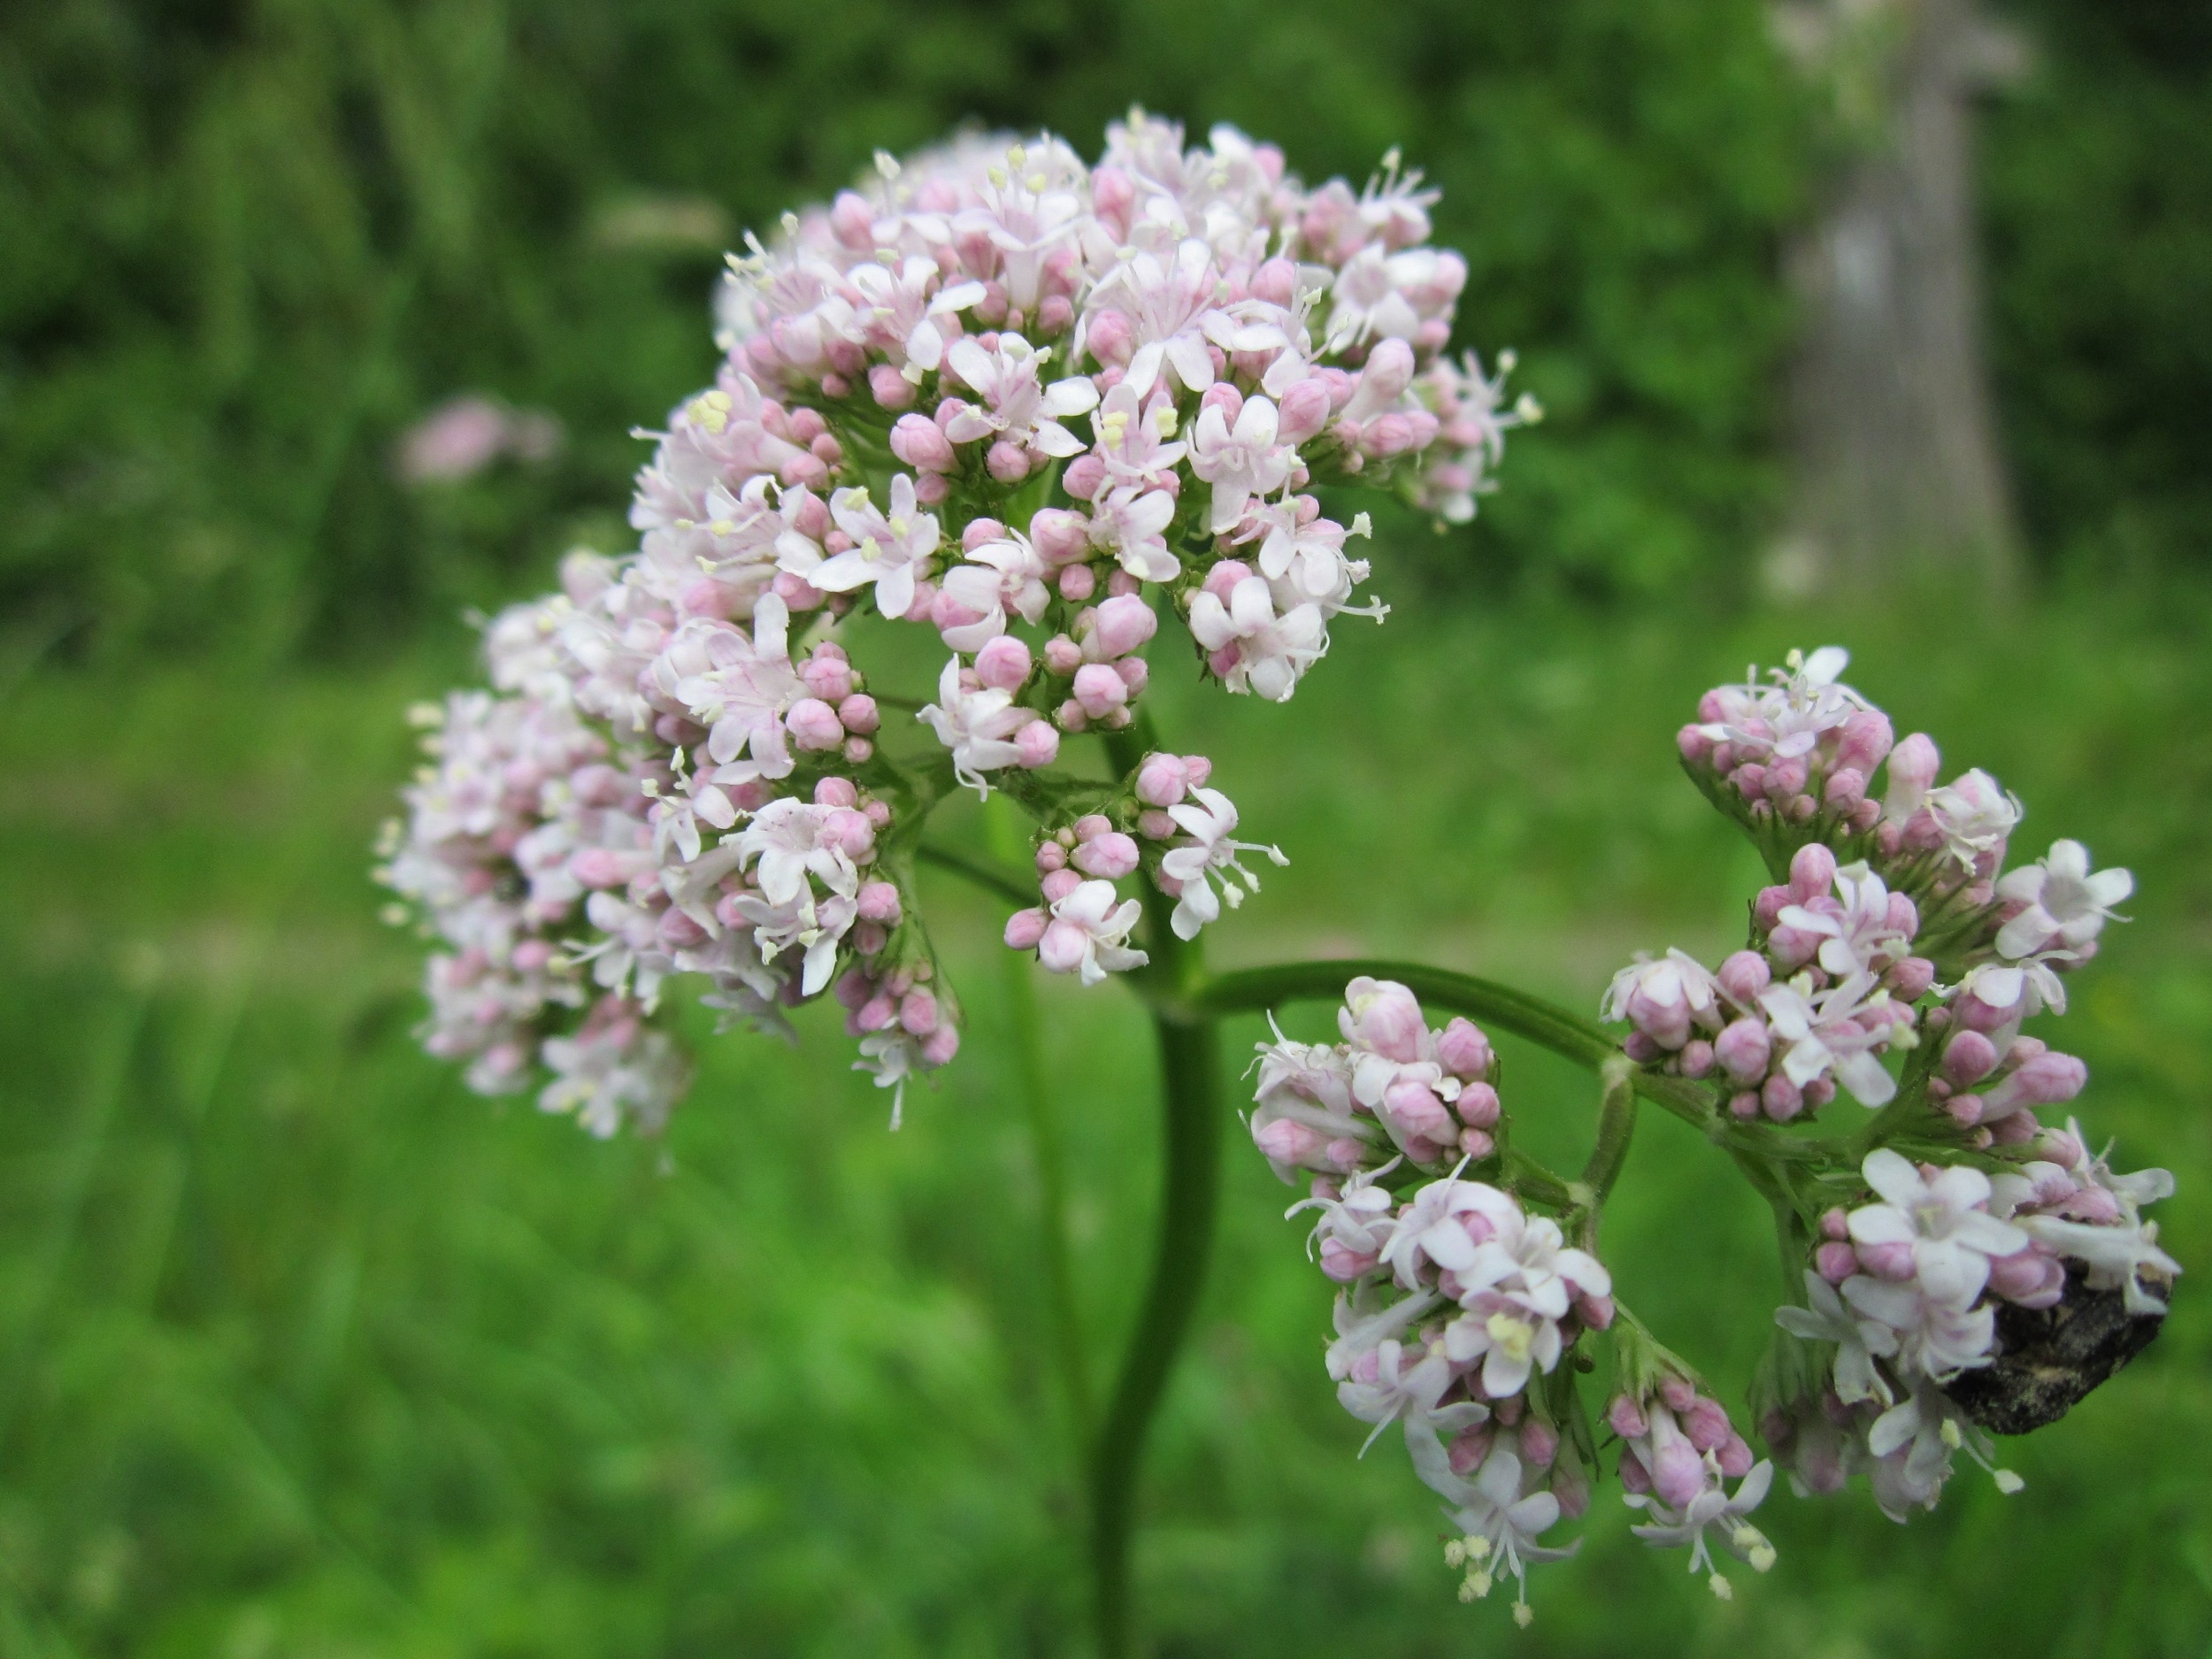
x: 1288, y: 1142
x: 1627, y: 1418
x: 1866, y: 742
x: 1078, y: 583
x: 814, y: 724
x: 1119, y: 627
x: 1003, y: 662
x: 1344, y: 1264
x: 1910, y: 980
x: 917, y: 1012
x: 1471, y: 1448
x: 1221, y: 581
x: 2046, y: 1079
x: 1061, y: 949
x: 1836, y: 1261
x: 916, y: 440
x: 1099, y: 690
x: 1812, y: 871
x: 1008, y: 462
x: 876, y: 1013
x: 940, y: 1045
x: 1744, y: 976
x: 1059, y: 535
x: 890, y: 388
x: 1706, y: 1425
x: 1109, y: 337
x: 1111, y: 857
x: 1539, y: 1443
x: 1385, y: 1018
x: 1084, y: 478
x: 1036, y: 745
x: 859, y: 715
x: 1734, y: 1456
x: 1697, y: 1058
x: 1844, y: 789
x: 1303, y: 410
x: 878, y: 901
x: 1781, y: 1098
x: 1462, y: 1050
x: 1024, y: 928
x: 1062, y: 656
x: 1696, y: 746
x: 849, y: 830
x: 1743, y: 1049
x: 1226, y: 398
x: 1162, y: 781
x: 1059, y: 884
x: 1413, y: 1106
x: 1156, y: 826
x: 2028, y: 1276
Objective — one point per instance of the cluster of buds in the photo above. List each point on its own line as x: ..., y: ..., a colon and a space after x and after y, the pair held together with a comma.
x: 1460, y: 1305
x: 1892, y: 927
x: 1037, y: 407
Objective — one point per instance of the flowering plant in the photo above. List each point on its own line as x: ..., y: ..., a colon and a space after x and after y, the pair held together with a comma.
x: 1041, y: 410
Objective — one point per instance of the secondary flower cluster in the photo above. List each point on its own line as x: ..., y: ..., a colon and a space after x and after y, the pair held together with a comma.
x: 1921, y: 941
x: 1459, y: 1304
x: 1035, y: 407
x: 1897, y: 960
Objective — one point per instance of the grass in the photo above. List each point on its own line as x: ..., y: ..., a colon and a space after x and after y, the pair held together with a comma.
x: 304, y: 1350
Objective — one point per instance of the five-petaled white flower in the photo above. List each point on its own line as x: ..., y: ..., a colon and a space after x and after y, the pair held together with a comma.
x: 2066, y: 903
x: 1211, y: 824
x: 977, y: 723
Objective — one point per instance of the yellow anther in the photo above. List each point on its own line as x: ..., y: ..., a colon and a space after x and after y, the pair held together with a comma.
x: 1722, y: 1589
x: 1513, y: 1337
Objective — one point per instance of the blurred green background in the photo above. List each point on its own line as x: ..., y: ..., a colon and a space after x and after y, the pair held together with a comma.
x: 304, y: 1350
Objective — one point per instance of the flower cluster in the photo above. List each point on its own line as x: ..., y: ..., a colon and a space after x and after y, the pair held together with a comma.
x: 1896, y: 959
x: 1036, y: 407
x: 1458, y: 1304
x: 1892, y: 927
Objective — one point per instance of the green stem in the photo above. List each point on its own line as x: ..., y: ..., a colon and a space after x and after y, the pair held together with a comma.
x: 1255, y: 990
x: 1190, y: 1058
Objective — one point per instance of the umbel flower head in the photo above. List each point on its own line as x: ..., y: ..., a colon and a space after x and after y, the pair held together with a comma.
x: 1057, y: 414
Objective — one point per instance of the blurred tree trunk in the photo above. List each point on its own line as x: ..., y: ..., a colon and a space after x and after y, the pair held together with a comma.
x: 1896, y: 470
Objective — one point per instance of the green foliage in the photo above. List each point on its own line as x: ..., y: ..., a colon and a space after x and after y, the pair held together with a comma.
x: 250, y: 241
x: 303, y: 1350
x: 2099, y: 189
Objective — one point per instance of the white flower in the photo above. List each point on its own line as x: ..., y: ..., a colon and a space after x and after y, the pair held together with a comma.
x: 888, y: 553
x: 814, y: 927
x: 784, y: 843
x: 1943, y: 1215
x: 2027, y: 987
x: 1911, y: 1444
x: 1789, y: 718
x: 1825, y: 1319
x: 1002, y: 575
x: 1211, y: 824
x: 1241, y: 462
x: 1361, y: 1218
x: 1016, y: 406
x: 1712, y: 1509
x: 738, y: 686
x: 1521, y: 1284
x: 899, y: 312
x: 1089, y: 934
x: 1664, y: 998
x: 977, y: 724
x: 1430, y: 1232
x: 1856, y: 934
x: 2067, y: 904
x: 1407, y: 1385
x: 1133, y: 438
x: 1829, y: 1031
x: 1271, y: 650
x: 1499, y: 1527
x: 1975, y: 815
x: 1131, y: 524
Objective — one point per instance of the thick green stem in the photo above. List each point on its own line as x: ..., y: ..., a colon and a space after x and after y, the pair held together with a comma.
x: 1190, y: 1057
